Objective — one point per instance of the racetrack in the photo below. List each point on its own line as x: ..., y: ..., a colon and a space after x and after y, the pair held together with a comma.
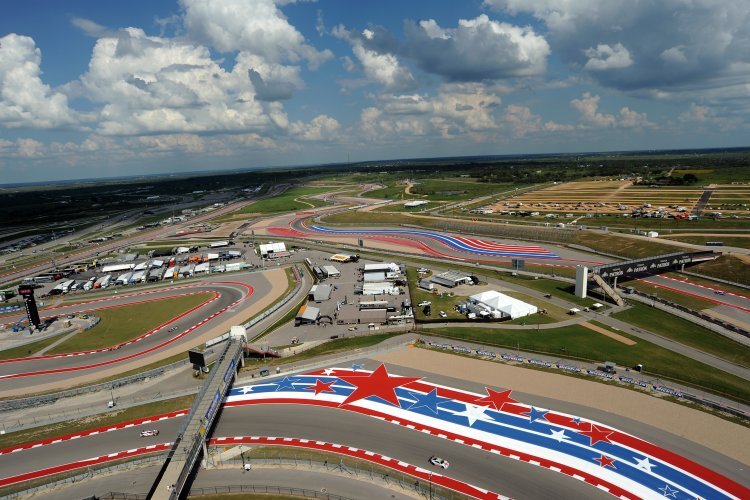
x: 241, y: 295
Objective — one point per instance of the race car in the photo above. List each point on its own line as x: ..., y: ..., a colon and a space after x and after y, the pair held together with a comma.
x: 149, y: 433
x: 439, y: 462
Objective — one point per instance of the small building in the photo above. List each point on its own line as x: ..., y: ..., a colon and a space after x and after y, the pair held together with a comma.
x: 320, y: 292
x: 414, y: 203
x: 451, y: 279
x: 381, y: 267
x: 381, y: 288
x: 273, y: 250
x: 331, y: 272
x: 375, y: 277
x: 307, y: 315
x: 343, y: 258
x: 499, y: 306
x: 426, y: 285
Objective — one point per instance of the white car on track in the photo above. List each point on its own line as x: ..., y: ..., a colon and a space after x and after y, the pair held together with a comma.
x: 149, y: 433
x: 439, y: 462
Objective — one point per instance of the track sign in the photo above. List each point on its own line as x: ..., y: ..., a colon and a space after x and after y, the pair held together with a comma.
x: 197, y: 359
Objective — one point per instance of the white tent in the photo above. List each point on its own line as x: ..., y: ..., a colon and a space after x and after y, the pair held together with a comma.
x: 508, y: 306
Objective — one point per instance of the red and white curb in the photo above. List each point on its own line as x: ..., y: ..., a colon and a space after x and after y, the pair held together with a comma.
x: 369, y: 456
x: 94, y: 432
x: 461, y: 439
x: 80, y: 464
x: 171, y: 340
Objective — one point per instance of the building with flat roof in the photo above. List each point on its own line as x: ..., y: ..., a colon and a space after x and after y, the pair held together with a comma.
x: 331, y: 272
x: 307, y: 315
x: 451, y: 279
x: 320, y: 292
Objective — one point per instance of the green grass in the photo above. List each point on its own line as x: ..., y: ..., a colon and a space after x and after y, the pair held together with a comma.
x: 726, y: 267
x: 685, y: 332
x: 331, y: 347
x: 284, y: 202
x: 559, y: 289
x: 101, y: 420
x: 576, y: 341
x: 730, y: 241
x: 125, y: 323
x: 632, y: 248
x: 28, y: 349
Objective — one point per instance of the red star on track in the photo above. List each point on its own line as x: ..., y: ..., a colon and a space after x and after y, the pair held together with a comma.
x: 496, y: 399
x: 606, y: 461
x: 320, y: 386
x: 596, y: 434
x: 379, y: 383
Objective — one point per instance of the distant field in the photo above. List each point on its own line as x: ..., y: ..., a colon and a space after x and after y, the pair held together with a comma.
x: 286, y: 202
x: 728, y: 240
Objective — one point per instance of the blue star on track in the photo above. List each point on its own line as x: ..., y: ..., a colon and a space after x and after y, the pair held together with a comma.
x: 535, y: 414
x: 431, y: 401
x: 285, y: 383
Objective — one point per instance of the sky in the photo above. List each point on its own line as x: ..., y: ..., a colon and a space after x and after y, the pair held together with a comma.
x: 105, y: 89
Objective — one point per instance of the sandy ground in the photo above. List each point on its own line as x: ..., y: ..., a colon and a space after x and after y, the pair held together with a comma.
x: 252, y: 306
x: 728, y: 319
x: 223, y: 231
x: 605, y: 332
x: 724, y: 437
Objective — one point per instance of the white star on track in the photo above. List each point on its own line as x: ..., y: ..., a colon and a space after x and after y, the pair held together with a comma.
x: 328, y: 371
x: 247, y: 389
x: 644, y: 464
x: 558, y: 436
x: 474, y: 413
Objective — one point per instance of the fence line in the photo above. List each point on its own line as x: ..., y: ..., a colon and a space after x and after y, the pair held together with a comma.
x: 356, y: 469
x: 88, y: 475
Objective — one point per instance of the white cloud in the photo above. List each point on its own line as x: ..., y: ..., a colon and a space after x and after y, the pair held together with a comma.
x: 674, y: 55
x: 157, y: 85
x: 630, y: 118
x: 588, y: 107
x: 25, y: 100
x: 696, y: 113
x: 254, y: 26
x: 604, y: 57
x: 522, y: 122
x: 477, y: 49
x: 320, y: 128
x: 379, y: 67
x: 675, y: 47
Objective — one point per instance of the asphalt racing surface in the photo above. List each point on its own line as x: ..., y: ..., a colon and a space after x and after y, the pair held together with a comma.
x: 441, y: 244
x: 481, y: 469
x: 21, y: 375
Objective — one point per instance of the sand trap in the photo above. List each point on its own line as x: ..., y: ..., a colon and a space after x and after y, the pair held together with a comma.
x: 612, y: 335
x: 724, y: 437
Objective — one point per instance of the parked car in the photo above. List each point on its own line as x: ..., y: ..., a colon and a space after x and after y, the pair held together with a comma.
x: 443, y: 314
x: 425, y: 303
x: 439, y: 462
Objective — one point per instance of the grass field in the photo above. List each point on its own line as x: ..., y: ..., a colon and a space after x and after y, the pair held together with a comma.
x: 728, y: 240
x: 727, y: 267
x: 125, y: 323
x: 623, y: 246
x: 286, y: 201
x: 579, y: 342
x: 685, y: 332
